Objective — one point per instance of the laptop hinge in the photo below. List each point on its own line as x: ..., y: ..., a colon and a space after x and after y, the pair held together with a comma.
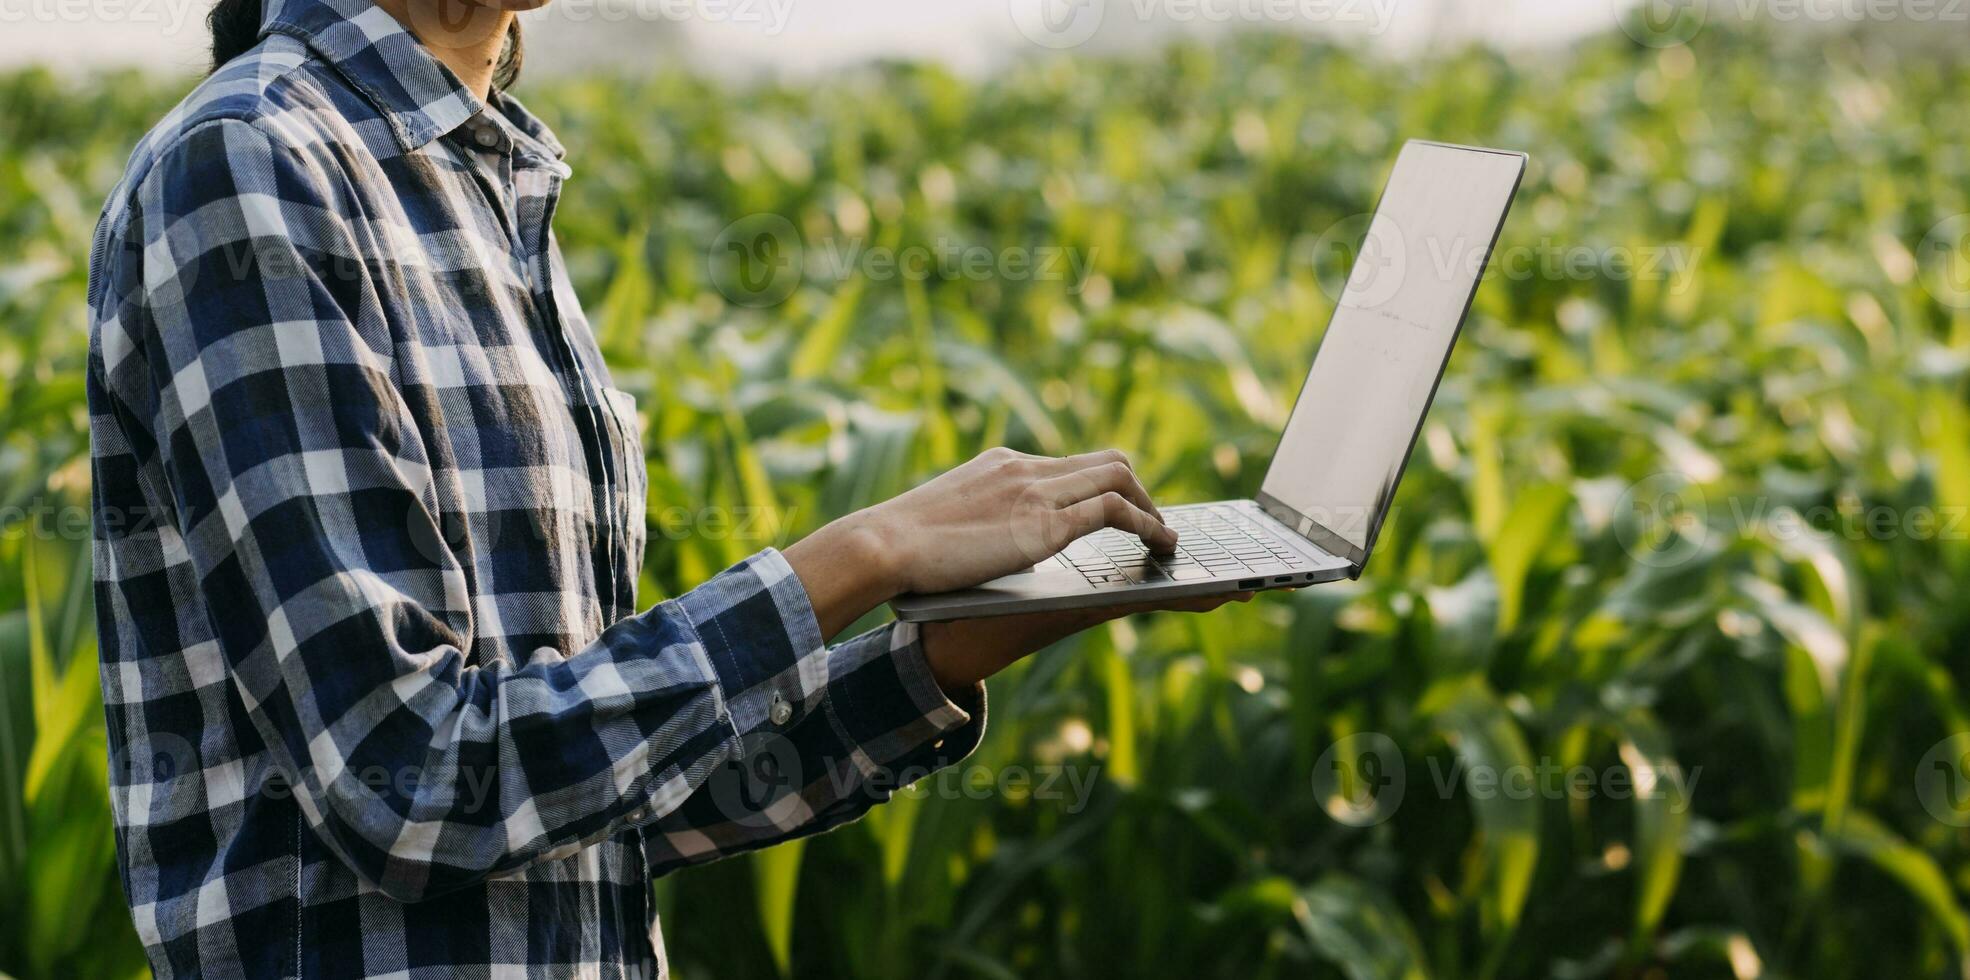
x: 1309, y: 530
x: 1354, y: 567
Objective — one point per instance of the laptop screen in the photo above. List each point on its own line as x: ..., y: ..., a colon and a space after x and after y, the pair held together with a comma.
x: 1371, y: 382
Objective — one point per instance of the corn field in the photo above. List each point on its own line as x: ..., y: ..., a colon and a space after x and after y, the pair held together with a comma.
x: 1660, y: 662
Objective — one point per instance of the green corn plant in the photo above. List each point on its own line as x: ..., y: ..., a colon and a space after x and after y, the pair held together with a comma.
x: 1728, y: 307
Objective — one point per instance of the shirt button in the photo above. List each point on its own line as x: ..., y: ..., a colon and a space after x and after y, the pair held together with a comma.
x: 780, y: 710
x: 487, y: 138
x: 639, y: 815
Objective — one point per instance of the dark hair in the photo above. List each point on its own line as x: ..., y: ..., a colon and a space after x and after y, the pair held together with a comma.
x: 235, y: 28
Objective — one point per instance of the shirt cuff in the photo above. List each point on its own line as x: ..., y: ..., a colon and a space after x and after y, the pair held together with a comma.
x: 764, y: 645
x: 881, y: 702
x: 886, y: 703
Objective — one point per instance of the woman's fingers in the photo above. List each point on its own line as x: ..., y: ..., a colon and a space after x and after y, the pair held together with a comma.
x: 1112, y: 509
x: 1071, y: 488
x: 1083, y: 461
x: 1096, y: 462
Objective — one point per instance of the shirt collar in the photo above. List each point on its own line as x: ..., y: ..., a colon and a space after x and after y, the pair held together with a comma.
x: 528, y: 124
x: 417, y: 95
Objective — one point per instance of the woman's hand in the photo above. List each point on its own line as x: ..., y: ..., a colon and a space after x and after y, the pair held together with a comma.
x: 965, y: 652
x: 999, y: 513
x: 1005, y: 511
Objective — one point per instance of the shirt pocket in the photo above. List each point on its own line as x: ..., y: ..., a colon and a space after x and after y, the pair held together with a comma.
x: 627, y: 434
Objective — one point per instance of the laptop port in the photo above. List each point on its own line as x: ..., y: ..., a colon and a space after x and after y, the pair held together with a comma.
x: 1251, y: 583
x: 1282, y: 578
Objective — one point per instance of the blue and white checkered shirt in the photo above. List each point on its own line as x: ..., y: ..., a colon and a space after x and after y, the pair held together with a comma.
x: 369, y: 516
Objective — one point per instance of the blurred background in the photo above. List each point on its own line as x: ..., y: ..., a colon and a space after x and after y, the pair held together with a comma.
x: 1659, y: 668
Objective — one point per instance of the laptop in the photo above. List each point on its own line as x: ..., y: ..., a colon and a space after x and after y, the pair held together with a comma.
x: 1335, y: 470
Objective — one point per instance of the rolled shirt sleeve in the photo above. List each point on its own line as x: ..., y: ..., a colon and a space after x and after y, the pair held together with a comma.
x: 823, y: 733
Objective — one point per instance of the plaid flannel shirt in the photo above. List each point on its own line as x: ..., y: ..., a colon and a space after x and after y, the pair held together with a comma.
x: 369, y: 516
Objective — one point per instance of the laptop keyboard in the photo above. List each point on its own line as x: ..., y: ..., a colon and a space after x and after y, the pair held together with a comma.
x: 1214, y: 541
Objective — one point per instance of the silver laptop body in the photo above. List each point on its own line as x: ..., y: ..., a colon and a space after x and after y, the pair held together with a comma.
x: 1335, y: 471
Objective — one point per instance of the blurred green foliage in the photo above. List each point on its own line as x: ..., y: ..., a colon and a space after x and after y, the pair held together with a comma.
x: 1793, y: 352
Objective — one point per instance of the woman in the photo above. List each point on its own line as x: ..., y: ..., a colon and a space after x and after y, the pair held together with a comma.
x: 369, y: 516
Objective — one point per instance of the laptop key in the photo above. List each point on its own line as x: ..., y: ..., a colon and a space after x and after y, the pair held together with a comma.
x: 1218, y: 543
